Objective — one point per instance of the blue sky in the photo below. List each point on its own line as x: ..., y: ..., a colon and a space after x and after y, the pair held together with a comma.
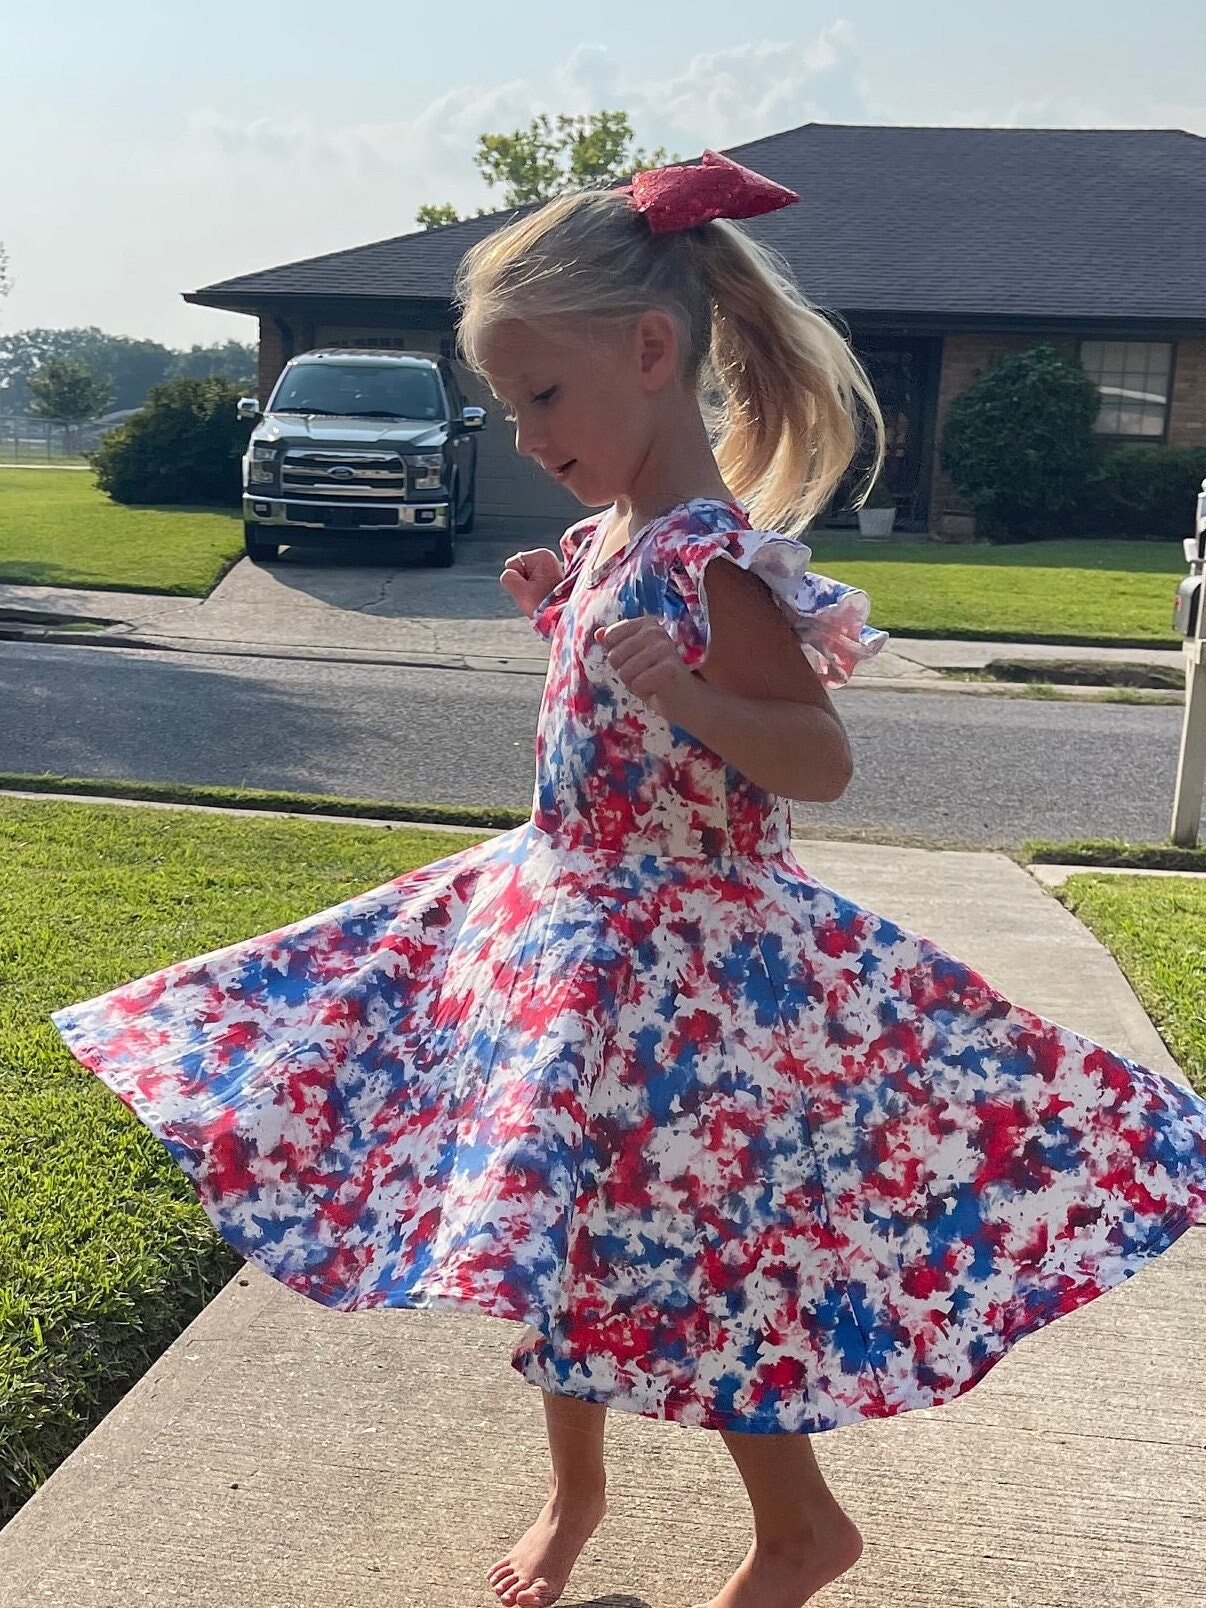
x: 150, y: 148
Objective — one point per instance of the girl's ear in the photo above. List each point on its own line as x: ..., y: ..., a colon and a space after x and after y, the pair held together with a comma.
x: 657, y: 349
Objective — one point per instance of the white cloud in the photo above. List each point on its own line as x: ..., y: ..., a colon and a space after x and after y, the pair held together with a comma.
x: 719, y: 98
x: 731, y: 96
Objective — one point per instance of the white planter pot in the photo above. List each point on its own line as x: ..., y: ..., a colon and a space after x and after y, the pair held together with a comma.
x: 876, y: 521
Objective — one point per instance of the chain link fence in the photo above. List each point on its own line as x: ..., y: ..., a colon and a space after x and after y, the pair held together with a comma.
x: 26, y: 440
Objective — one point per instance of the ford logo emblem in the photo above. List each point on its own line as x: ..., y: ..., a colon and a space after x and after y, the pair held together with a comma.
x: 341, y: 472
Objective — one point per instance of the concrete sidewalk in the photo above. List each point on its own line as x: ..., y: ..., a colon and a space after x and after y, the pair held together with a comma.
x: 413, y: 614
x: 283, y: 1456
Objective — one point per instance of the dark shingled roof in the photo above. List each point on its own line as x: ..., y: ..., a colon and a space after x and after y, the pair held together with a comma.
x: 1019, y: 223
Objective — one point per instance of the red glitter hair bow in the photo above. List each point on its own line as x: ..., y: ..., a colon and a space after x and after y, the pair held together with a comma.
x: 673, y: 198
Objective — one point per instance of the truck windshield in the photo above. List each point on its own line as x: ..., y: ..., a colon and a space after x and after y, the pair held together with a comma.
x: 359, y: 390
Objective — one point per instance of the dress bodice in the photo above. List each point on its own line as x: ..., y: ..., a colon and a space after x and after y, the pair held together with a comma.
x: 611, y: 774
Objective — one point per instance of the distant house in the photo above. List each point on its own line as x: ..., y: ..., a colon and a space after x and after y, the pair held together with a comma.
x: 940, y: 247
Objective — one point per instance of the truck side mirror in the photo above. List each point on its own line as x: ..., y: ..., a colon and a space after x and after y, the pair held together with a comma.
x: 248, y: 407
x: 473, y: 418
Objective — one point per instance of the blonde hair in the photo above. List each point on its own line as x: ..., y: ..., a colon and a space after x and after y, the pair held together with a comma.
x: 786, y: 401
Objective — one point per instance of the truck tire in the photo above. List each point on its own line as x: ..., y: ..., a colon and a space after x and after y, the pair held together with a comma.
x: 443, y: 550
x: 260, y: 550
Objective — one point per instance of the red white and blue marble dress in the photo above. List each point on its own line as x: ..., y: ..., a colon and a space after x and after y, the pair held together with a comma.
x: 737, y: 1151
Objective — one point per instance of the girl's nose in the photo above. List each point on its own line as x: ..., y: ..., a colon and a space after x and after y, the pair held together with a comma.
x: 528, y: 439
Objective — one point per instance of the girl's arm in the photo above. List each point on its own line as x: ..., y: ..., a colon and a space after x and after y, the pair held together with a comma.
x: 755, y: 700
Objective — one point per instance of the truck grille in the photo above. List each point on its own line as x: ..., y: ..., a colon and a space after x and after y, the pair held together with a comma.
x: 311, y: 472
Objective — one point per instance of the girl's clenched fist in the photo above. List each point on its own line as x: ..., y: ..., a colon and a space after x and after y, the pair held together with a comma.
x: 647, y: 662
x: 530, y: 576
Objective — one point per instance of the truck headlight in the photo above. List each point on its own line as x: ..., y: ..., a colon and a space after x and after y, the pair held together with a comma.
x: 427, y: 470
x: 261, y: 467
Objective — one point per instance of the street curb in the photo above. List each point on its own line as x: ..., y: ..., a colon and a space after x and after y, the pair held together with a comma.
x: 814, y: 833
x: 1049, y: 874
x: 453, y: 828
x: 1054, y: 876
x: 47, y: 617
x: 932, y: 682
x: 273, y: 650
x: 289, y: 815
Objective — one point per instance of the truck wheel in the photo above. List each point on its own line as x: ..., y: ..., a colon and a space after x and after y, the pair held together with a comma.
x: 259, y: 549
x: 443, y: 551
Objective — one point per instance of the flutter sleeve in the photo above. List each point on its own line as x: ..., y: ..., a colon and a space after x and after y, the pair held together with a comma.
x: 828, y: 617
x: 548, y: 610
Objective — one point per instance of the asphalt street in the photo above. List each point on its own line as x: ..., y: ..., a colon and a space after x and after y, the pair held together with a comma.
x: 937, y: 766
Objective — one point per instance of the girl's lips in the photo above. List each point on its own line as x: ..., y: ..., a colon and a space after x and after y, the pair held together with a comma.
x: 565, y: 469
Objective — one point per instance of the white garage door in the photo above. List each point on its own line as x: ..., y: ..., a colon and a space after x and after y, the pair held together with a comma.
x: 508, y: 484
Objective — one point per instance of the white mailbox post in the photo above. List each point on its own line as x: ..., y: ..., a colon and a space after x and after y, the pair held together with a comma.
x: 1191, y: 766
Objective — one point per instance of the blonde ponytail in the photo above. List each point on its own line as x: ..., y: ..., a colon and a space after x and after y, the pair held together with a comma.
x: 793, y: 400
x: 786, y: 400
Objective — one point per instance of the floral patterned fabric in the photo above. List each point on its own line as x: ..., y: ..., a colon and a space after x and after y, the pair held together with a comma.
x: 736, y: 1151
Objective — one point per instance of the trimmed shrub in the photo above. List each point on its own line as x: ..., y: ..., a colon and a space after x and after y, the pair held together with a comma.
x: 1019, y: 445
x: 183, y: 446
x: 1145, y: 492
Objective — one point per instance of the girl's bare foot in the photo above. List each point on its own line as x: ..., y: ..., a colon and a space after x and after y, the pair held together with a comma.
x: 535, y: 1571
x: 786, y: 1574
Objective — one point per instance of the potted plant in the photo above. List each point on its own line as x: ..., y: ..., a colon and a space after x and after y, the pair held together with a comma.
x: 877, y: 515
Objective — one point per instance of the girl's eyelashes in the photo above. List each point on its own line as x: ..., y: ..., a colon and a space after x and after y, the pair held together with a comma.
x: 544, y: 396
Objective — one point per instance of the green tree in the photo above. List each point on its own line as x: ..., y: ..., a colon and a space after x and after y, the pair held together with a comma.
x: 231, y: 360
x: 551, y: 156
x: 130, y: 366
x: 1019, y: 446
x: 67, y: 393
x: 6, y: 284
x: 21, y: 354
x: 433, y: 216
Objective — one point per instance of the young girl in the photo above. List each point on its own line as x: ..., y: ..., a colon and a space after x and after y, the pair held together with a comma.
x: 739, y: 1153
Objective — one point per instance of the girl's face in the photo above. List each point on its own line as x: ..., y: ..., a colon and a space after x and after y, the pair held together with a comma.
x: 585, y: 400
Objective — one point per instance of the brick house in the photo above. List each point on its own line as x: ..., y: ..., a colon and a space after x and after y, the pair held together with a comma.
x: 941, y: 248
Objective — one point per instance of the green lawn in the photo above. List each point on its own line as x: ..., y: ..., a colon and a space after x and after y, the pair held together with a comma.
x: 57, y: 529
x: 1155, y: 927
x: 1075, y: 851
x: 105, y: 1253
x: 1069, y: 591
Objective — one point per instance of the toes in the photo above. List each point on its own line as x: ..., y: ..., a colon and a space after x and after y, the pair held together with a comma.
x: 538, y: 1595
x: 506, y: 1585
x: 501, y: 1570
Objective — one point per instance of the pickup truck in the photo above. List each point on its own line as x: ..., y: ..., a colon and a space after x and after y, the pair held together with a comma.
x: 370, y: 444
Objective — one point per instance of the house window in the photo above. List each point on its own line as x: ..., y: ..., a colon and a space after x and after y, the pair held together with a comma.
x: 1132, y: 377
